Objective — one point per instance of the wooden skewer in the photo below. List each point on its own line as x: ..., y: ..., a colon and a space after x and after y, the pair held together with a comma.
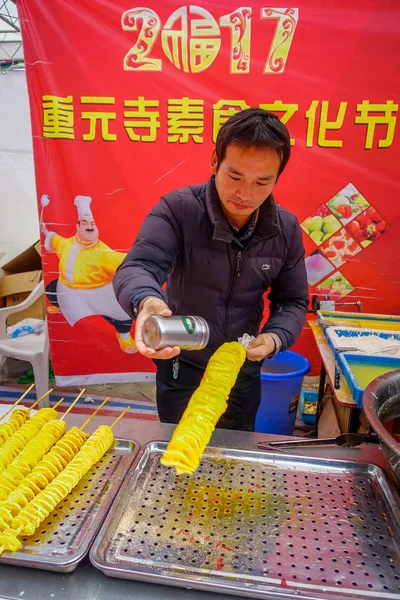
x: 72, y: 405
x: 120, y: 417
x: 58, y: 403
x: 18, y: 401
x: 94, y: 414
x: 40, y: 399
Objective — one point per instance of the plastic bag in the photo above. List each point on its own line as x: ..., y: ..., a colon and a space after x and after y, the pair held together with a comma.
x: 246, y: 339
x: 26, y: 327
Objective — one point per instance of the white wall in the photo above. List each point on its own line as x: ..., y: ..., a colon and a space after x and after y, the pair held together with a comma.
x: 19, y: 226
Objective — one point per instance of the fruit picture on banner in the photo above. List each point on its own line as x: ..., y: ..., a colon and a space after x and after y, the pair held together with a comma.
x: 341, y: 228
x: 126, y: 102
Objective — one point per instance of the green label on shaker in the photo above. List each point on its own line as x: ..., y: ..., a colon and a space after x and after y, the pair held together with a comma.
x: 189, y: 324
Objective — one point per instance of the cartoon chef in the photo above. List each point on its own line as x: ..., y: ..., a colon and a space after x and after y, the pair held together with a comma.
x: 86, y: 269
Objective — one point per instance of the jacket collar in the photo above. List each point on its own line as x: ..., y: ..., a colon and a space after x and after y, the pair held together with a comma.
x: 267, y: 223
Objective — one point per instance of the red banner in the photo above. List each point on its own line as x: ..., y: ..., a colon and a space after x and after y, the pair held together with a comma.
x: 126, y: 102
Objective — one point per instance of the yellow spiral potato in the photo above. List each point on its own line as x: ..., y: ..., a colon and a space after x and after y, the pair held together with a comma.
x: 17, y: 442
x: 9, y: 541
x: 31, y: 516
x: 17, y: 419
x: 41, y: 475
x: 207, y: 404
x: 28, y: 458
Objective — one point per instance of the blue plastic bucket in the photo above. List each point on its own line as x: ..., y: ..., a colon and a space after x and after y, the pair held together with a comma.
x: 281, y: 381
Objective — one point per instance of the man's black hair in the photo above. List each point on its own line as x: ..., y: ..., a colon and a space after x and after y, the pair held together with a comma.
x: 254, y: 127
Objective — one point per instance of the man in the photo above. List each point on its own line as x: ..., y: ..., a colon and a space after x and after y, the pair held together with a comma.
x: 87, y: 267
x: 220, y: 246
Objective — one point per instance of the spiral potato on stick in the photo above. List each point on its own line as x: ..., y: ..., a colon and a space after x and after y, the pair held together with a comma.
x: 41, y: 475
x: 17, y: 419
x: 28, y: 458
x: 51, y: 480
x: 16, y: 443
x: 207, y: 404
x: 30, y: 517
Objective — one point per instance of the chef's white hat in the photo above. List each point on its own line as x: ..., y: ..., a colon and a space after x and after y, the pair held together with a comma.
x: 83, y: 205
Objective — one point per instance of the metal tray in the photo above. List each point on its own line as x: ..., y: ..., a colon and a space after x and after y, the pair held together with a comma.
x: 346, y: 361
x: 65, y: 537
x: 326, y: 318
x: 347, y: 335
x: 256, y: 525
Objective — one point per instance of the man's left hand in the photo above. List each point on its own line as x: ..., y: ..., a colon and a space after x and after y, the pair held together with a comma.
x: 261, y: 347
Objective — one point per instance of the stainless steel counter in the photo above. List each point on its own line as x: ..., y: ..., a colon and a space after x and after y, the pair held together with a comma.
x: 87, y: 583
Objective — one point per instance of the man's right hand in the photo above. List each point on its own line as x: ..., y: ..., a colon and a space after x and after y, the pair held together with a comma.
x: 153, y: 306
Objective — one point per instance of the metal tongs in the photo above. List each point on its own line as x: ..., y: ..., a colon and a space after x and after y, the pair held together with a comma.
x: 347, y: 440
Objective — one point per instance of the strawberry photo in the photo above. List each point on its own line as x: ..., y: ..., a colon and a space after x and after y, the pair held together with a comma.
x: 367, y: 227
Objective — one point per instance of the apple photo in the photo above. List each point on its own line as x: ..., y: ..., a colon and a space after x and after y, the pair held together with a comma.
x: 347, y: 204
x: 321, y: 225
x: 317, y: 267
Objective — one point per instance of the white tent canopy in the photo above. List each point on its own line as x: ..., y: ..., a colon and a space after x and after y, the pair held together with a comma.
x: 19, y: 227
x: 10, y: 33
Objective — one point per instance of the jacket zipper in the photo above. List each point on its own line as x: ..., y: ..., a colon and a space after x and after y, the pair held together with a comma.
x: 236, y: 275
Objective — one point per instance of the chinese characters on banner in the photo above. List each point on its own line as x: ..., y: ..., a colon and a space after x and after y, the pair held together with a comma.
x: 126, y: 104
x: 185, y: 119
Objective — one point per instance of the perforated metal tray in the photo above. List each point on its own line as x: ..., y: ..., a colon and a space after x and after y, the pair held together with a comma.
x: 65, y: 537
x: 257, y: 525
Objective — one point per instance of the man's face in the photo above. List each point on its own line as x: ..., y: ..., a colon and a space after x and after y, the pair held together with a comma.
x: 245, y: 178
x: 87, y: 230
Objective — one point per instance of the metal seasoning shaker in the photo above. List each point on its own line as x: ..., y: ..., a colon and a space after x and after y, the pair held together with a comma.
x: 189, y: 333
